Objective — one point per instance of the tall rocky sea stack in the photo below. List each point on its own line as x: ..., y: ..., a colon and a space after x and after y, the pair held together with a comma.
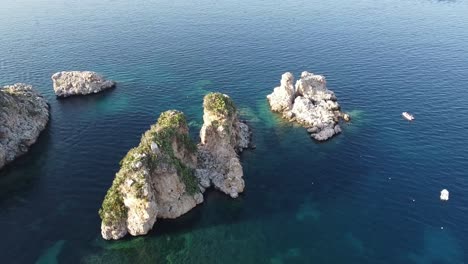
x: 309, y: 103
x: 222, y: 137
x: 165, y: 176
x: 23, y: 115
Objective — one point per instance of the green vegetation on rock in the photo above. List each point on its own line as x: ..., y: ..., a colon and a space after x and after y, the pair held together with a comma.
x: 113, y: 209
x: 170, y: 128
x: 219, y: 104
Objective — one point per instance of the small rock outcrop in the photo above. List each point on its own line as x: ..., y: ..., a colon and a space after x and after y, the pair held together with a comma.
x: 223, y: 136
x: 23, y: 115
x: 309, y: 103
x: 165, y: 176
x: 69, y: 83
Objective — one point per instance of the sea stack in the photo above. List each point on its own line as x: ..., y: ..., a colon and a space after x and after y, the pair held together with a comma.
x: 309, y: 103
x: 156, y: 180
x: 223, y: 136
x: 165, y: 176
x: 69, y: 83
x: 24, y: 113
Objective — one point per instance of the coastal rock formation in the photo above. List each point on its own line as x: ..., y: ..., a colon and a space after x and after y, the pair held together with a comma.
x: 165, y: 176
x: 309, y: 103
x: 79, y: 83
x: 222, y: 137
x: 156, y: 180
x: 23, y: 115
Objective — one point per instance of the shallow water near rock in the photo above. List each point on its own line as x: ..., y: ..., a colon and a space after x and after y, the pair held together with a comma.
x: 370, y: 195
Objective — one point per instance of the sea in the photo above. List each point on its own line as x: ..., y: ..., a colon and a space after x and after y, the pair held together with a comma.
x: 369, y: 195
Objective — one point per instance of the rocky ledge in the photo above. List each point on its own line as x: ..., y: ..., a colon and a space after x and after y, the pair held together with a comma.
x: 23, y: 115
x: 309, y: 103
x: 165, y: 176
x: 69, y: 83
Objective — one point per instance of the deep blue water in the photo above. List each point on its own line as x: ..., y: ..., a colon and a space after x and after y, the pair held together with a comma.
x: 370, y: 195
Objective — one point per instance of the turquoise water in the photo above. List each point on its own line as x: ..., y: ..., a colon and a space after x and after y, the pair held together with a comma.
x: 371, y: 195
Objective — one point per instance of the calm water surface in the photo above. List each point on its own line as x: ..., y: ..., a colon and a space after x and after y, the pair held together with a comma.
x: 368, y: 196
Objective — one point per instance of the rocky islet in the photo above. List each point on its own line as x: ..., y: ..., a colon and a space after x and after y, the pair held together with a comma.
x: 310, y: 103
x: 68, y: 83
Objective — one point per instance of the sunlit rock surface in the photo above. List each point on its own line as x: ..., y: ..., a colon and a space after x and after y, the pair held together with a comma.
x: 309, y: 103
x: 67, y: 83
x: 24, y: 113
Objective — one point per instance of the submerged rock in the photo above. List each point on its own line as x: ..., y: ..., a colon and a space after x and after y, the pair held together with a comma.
x: 69, y: 83
x: 165, y: 176
x: 222, y: 137
x: 156, y: 180
x: 312, y: 104
x: 23, y: 115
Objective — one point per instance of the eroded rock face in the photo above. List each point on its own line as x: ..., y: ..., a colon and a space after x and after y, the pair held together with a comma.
x: 222, y: 137
x: 156, y: 180
x: 23, y: 115
x: 69, y: 83
x: 314, y: 106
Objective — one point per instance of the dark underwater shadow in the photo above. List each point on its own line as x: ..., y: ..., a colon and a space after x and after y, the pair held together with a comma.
x: 89, y: 99
x: 26, y: 171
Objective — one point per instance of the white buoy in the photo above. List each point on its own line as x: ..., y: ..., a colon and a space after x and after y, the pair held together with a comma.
x: 444, y: 195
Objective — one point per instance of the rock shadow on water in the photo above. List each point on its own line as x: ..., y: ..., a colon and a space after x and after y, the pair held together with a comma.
x: 440, y: 246
x: 50, y: 256
x: 105, y: 102
x: 25, y: 171
x: 241, y: 242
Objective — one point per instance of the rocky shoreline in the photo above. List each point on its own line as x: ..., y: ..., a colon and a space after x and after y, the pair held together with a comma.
x: 24, y: 114
x: 309, y: 103
x: 166, y: 175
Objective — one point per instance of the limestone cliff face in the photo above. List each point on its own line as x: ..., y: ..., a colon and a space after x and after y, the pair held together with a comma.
x: 313, y: 105
x: 23, y: 115
x: 222, y: 137
x: 156, y: 180
x: 69, y: 83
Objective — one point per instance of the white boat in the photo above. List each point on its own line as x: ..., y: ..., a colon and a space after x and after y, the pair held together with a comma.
x: 408, y: 116
x: 444, y: 195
